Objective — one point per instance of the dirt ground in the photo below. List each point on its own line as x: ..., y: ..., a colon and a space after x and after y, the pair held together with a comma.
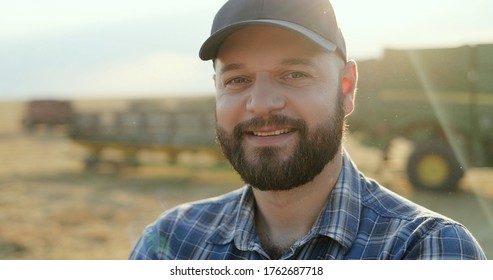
x: 50, y: 208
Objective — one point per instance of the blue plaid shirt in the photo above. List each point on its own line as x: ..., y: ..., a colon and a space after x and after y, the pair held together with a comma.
x: 361, y: 220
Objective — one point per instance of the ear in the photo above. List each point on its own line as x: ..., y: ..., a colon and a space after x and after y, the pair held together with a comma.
x: 349, y: 81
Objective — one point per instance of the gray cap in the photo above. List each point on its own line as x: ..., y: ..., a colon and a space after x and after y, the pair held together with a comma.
x: 313, y: 19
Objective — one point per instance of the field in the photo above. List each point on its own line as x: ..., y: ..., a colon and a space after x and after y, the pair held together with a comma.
x: 50, y: 208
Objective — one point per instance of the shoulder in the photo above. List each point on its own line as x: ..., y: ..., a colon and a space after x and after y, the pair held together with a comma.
x: 206, y: 211
x: 389, y: 204
x: 194, y: 221
x: 414, y: 231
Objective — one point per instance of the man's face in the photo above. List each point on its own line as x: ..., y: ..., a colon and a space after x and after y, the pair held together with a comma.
x: 280, y: 110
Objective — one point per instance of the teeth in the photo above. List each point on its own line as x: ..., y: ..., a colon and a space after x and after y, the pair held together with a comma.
x: 272, y: 133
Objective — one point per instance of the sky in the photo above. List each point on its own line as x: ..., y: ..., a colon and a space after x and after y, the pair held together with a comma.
x: 149, y: 48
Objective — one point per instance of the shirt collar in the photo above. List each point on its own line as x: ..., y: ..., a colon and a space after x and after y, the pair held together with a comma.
x: 239, y: 227
x: 338, y: 220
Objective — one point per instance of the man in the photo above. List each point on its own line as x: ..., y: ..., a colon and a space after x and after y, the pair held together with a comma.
x: 284, y: 87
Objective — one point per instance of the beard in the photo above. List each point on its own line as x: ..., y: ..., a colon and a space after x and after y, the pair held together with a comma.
x: 267, y: 171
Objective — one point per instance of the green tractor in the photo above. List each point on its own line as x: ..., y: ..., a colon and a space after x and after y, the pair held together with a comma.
x: 439, y: 99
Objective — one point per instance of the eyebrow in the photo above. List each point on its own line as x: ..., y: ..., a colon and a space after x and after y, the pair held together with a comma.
x: 231, y: 67
x: 297, y: 61
x: 286, y: 61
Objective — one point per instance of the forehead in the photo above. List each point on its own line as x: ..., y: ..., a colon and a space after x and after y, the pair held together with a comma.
x: 267, y: 42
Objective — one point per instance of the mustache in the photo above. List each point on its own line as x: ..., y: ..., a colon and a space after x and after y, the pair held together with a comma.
x: 273, y: 120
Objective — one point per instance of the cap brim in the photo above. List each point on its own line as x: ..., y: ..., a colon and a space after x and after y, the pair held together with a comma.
x: 211, y: 46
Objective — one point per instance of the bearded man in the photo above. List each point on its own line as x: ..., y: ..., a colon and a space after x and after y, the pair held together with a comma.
x: 284, y: 87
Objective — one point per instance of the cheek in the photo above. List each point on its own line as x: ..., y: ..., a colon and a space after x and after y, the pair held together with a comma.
x: 314, y: 107
x: 228, y: 111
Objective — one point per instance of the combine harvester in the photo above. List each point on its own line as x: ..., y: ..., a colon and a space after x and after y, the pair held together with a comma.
x: 439, y: 99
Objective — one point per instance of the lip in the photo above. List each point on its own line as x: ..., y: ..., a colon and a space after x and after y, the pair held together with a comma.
x: 271, y: 132
x: 270, y: 136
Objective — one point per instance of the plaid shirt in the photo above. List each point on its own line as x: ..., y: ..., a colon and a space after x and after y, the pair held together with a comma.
x: 361, y: 220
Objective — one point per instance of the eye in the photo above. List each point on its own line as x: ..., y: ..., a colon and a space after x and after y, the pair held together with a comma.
x: 297, y: 78
x: 296, y: 75
x: 237, y: 81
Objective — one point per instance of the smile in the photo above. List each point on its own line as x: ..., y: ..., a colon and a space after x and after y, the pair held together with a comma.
x: 272, y: 133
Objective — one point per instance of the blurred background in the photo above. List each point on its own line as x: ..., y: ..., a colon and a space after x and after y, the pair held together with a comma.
x: 107, y: 115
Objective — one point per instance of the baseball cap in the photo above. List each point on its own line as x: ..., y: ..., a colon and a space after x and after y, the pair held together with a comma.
x: 313, y: 19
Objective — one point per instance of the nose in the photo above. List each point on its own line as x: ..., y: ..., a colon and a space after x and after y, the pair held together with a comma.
x: 266, y: 96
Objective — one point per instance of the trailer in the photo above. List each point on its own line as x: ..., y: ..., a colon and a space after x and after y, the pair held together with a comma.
x: 47, y: 113
x: 169, y: 126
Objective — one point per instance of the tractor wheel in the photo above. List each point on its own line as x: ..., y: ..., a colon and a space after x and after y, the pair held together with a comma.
x: 433, y: 166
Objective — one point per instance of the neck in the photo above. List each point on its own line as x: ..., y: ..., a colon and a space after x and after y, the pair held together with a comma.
x: 282, y: 217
